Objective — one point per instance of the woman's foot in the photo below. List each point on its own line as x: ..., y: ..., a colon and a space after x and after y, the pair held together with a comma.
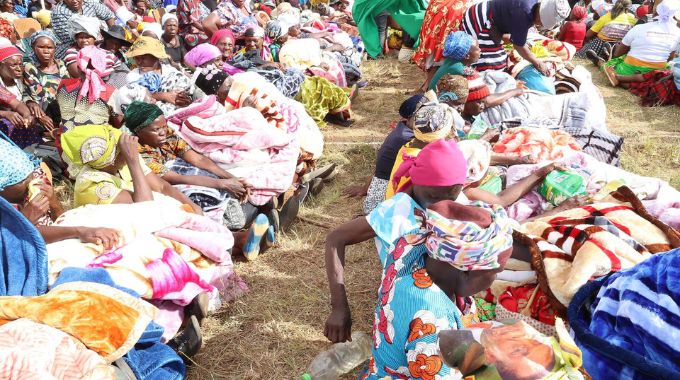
x: 188, y: 342
x: 259, y: 228
x: 594, y: 58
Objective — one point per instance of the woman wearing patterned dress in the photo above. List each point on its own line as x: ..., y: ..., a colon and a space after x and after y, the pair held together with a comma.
x: 434, y: 252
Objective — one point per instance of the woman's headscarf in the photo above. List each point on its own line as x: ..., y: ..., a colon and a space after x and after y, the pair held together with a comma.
x: 450, y: 237
x: 92, y: 62
x: 254, y: 32
x: 147, y: 45
x: 168, y: 16
x: 220, y: 34
x: 139, y: 115
x: 433, y: 120
x: 452, y: 88
x: 9, y: 51
x: 457, y: 45
x: 667, y: 10
x: 95, y: 146
x: 202, y: 54
x: 84, y: 24
x: 579, y: 13
x: 124, y: 96
x: 15, y: 164
x: 275, y: 30
x: 477, y: 153
x: 38, y: 35
x: 440, y: 163
x: 6, y: 29
x: 154, y: 28
x: 209, y: 81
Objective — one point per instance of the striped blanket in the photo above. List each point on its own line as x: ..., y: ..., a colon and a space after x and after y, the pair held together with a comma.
x: 592, y: 241
x: 634, y: 329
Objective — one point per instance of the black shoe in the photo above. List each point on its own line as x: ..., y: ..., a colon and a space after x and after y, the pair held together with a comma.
x: 188, y: 342
x: 593, y: 57
x: 198, y: 307
x: 316, y: 186
x: 321, y: 172
x: 289, y: 212
x: 274, y: 221
x: 304, y: 190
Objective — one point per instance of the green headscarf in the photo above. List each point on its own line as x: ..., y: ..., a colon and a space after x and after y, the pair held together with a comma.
x: 139, y: 115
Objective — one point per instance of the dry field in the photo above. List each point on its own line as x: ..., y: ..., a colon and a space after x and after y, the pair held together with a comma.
x: 277, y: 328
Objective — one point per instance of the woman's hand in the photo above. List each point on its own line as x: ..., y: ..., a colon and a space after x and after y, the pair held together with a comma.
x: 542, y: 68
x: 128, y: 146
x: 36, y: 110
x: 183, y: 99
x: 14, y: 118
x: 106, y: 237
x: 339, y: 325
x: 36, y: 208
x: 234, y: 186
x: 355, y: 191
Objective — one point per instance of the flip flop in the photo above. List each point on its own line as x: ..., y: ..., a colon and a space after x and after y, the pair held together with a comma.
x: 257, y: 231
x: 610, y: 73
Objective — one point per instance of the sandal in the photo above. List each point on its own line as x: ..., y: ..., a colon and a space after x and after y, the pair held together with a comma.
x: 610, y: 73
x: 321, y: 172
x: 257, y: 231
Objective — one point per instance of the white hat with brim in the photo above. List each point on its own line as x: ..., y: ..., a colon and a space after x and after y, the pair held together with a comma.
x: 553, y: 12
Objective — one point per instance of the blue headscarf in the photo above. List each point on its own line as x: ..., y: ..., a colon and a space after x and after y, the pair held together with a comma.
x: 15, y: 164
x: 40, y: 34
x: 457, y: 45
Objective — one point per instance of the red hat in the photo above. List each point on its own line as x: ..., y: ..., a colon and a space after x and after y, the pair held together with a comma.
x: 642, y: 11
x: 440, y: 163
x: 477, y: 88
x: 8, y: 51
x: 579, y: 13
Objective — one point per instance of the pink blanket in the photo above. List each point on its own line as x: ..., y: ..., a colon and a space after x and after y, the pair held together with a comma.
x: 242, y: 142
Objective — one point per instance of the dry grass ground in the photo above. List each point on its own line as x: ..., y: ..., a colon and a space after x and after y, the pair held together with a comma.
x: 276, y: 330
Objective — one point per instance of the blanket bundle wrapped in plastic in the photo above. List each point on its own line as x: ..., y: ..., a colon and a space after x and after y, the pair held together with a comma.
x: 628, y: 324
x: 541, y: 144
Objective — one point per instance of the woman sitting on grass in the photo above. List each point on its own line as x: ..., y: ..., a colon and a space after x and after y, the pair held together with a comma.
x: 29, y: 188
x: 646, y: 47
x: 607, y: 31
x: 437, y: 256
x: 108, y: 169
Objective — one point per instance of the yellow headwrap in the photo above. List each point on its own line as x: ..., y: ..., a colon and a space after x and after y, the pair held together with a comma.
x: 44, y: 17
x: 91, y: 145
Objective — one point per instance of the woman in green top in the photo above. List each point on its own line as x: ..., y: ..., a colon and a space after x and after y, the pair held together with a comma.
x: 460, y: 50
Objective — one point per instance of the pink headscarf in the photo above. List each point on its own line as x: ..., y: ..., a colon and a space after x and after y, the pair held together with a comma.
x: 202, y: 54
x: 220, y: 34
x: 93, y: 62
x: 440, y: 163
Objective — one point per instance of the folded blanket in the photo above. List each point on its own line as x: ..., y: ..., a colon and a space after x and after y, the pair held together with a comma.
x: 74, y: 306
x: 592, y: 241
x: 30, y: 350
x: 541, y: 144
x: 632, y: 328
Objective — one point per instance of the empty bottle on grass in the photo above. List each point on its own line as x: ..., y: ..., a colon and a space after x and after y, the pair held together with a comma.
x: 341, y: 357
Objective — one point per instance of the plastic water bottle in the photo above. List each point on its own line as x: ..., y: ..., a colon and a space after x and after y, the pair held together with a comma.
x: 341, y: 357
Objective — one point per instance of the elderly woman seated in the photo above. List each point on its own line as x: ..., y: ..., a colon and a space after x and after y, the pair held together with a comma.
x: 170, y: 157
x: 29, y: 188
x: 16, y: 121
x: 169, y: 87
x: 83, y: 98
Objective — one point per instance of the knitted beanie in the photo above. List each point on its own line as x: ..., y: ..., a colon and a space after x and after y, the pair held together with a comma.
x: 477, y: 88
x: 457, y: 45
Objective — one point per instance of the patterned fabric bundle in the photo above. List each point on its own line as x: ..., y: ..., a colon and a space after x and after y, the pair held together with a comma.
x: 542, y: 144
x: 92, y: 61
x: 91, y: 145
x: 631, y: 329
x: 592, y: 241
x: 603, y: 145
x: 463, y: 244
